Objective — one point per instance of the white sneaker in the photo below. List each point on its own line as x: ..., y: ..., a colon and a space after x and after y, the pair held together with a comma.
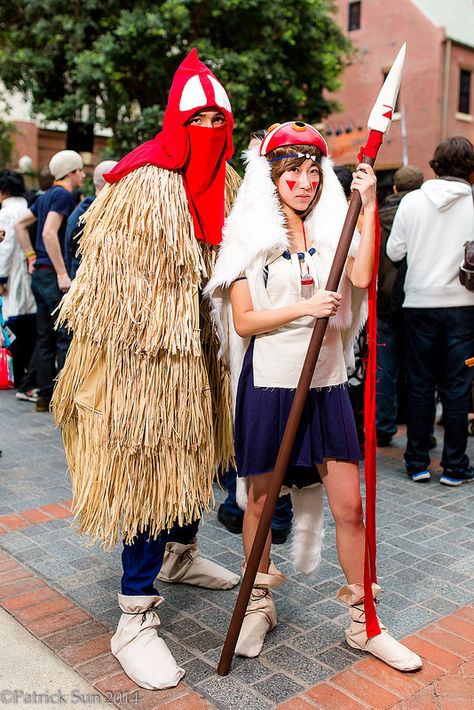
x: 27, y: 396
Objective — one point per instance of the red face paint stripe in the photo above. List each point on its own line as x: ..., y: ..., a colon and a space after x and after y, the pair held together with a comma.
x: 315, y: 185
x: 291, y: 184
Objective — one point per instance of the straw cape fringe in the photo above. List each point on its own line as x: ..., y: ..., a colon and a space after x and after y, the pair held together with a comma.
x: 143, y: 400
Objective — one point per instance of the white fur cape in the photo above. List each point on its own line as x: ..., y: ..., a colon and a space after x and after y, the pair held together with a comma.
x: 253, y: 233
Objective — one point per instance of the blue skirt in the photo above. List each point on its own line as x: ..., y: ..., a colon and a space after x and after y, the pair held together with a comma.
x: 327, y: 429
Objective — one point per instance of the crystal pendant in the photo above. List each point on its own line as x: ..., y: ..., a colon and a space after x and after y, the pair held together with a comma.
x: 307, y: 286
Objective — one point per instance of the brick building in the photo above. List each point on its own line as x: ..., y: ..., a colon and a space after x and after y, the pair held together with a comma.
x: 40, y: 140
x: 435, y: 99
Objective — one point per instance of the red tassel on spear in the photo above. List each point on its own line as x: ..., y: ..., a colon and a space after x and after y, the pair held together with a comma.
x: 379, y: 123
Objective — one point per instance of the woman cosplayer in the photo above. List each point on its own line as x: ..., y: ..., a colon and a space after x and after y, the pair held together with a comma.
x: 267, y: 289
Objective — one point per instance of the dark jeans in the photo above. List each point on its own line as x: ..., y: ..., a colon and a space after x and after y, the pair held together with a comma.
x: 51, y: 345
x: 389, y: 359
x: 24, y: 327
x: 438, y: 340
x: 142, y: 560
x: 282, y: 516
x: 29, y: 380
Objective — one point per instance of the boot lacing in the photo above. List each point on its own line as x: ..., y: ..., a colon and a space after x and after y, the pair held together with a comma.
x: 151, y: 609
x: 258, y: 593
x: 360, y: 607
x: 187, y: 555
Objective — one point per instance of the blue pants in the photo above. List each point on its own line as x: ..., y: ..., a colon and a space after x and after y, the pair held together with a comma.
x: 438, y: 340
x: 389, y: 355
x: 142, y: 560
x: 282, y: 516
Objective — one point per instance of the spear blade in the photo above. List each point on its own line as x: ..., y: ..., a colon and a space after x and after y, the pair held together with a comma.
x: 380, y: 117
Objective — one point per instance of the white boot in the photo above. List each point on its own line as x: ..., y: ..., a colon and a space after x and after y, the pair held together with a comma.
x: 183, y: 563
x: 383, y: 646
x: 143, y: 655
x: 260, y: 616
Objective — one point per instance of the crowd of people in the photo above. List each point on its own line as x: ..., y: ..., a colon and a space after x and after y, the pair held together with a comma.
x: 38, y: 259
x: 176, y: 340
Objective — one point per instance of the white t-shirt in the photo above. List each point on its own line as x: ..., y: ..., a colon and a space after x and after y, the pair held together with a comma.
x: 279, y: 355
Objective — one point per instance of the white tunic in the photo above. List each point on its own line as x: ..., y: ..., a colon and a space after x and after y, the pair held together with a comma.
x: 279, y: 355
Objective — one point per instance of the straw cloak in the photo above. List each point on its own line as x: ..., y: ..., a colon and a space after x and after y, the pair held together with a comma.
x: 255, y: 234
x: 143, y: 400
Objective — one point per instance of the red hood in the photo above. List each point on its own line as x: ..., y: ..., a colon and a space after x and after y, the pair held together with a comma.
x: 194, y: 88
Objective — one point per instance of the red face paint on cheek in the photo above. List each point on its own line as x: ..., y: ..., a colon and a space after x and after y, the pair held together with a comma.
x: 291, y: 184
x: 315, y: 185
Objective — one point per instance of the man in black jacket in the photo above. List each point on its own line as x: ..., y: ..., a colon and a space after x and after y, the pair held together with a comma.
x: 389, y: 309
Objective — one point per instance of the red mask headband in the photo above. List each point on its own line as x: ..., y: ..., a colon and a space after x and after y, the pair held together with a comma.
x: 292, y: 133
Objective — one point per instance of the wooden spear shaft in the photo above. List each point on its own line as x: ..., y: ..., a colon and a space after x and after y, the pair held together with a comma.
x: 288, y: 440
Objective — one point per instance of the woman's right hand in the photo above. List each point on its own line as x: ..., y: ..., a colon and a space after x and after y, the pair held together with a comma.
x: 322, y: 304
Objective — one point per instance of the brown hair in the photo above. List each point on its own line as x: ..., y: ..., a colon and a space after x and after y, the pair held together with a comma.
x: 454, y: 157
x: 408, y: 178
x: 45, y: 179
x: 281, y: 166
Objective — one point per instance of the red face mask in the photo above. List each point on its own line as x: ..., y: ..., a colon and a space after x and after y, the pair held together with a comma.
x: 199, y: 153
x: 204, y: 180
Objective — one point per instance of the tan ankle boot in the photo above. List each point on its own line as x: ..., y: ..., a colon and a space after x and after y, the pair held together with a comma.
x: 184, y: 564
x: 260, y: 616
x: 143, y: 655
x: 383, y: 646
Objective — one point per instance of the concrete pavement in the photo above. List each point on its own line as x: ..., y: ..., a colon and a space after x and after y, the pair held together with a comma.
x: 28, y: 667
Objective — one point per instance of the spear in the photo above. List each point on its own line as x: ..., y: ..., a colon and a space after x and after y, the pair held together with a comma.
x: 379, y: 123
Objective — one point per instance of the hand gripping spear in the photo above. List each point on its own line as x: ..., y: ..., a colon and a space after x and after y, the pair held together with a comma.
x: 379, y: 122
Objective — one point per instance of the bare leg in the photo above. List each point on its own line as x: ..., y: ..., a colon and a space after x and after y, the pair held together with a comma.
x: 341, y: 481
x: 257, y: 494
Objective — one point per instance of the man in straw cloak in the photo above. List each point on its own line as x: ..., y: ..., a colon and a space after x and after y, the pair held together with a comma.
x: 143, y: 400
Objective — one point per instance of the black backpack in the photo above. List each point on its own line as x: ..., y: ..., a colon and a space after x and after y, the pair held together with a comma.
x: 466, y: 270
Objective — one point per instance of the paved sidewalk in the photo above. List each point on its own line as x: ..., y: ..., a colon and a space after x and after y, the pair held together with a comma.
x: 426, y: 569
x: 27, y: 667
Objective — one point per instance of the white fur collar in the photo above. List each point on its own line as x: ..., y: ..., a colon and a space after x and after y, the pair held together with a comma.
x: 255, y: 227
x: 255, y: 231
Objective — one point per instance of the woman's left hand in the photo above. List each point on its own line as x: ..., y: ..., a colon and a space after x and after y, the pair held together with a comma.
x: 365, y: 181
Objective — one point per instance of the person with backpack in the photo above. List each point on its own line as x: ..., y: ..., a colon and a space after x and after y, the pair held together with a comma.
x: 430, y: 229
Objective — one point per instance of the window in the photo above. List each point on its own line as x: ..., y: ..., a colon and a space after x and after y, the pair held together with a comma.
x: 354, y: 16
x: 464, y: 91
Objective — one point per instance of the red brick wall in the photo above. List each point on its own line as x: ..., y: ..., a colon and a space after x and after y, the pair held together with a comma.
x: 384, y: 27
x: 49, y: 143
x: 41, y: 144
x: 26, y: 141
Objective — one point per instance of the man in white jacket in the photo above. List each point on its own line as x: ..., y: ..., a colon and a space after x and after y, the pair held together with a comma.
x: 430, y: 228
